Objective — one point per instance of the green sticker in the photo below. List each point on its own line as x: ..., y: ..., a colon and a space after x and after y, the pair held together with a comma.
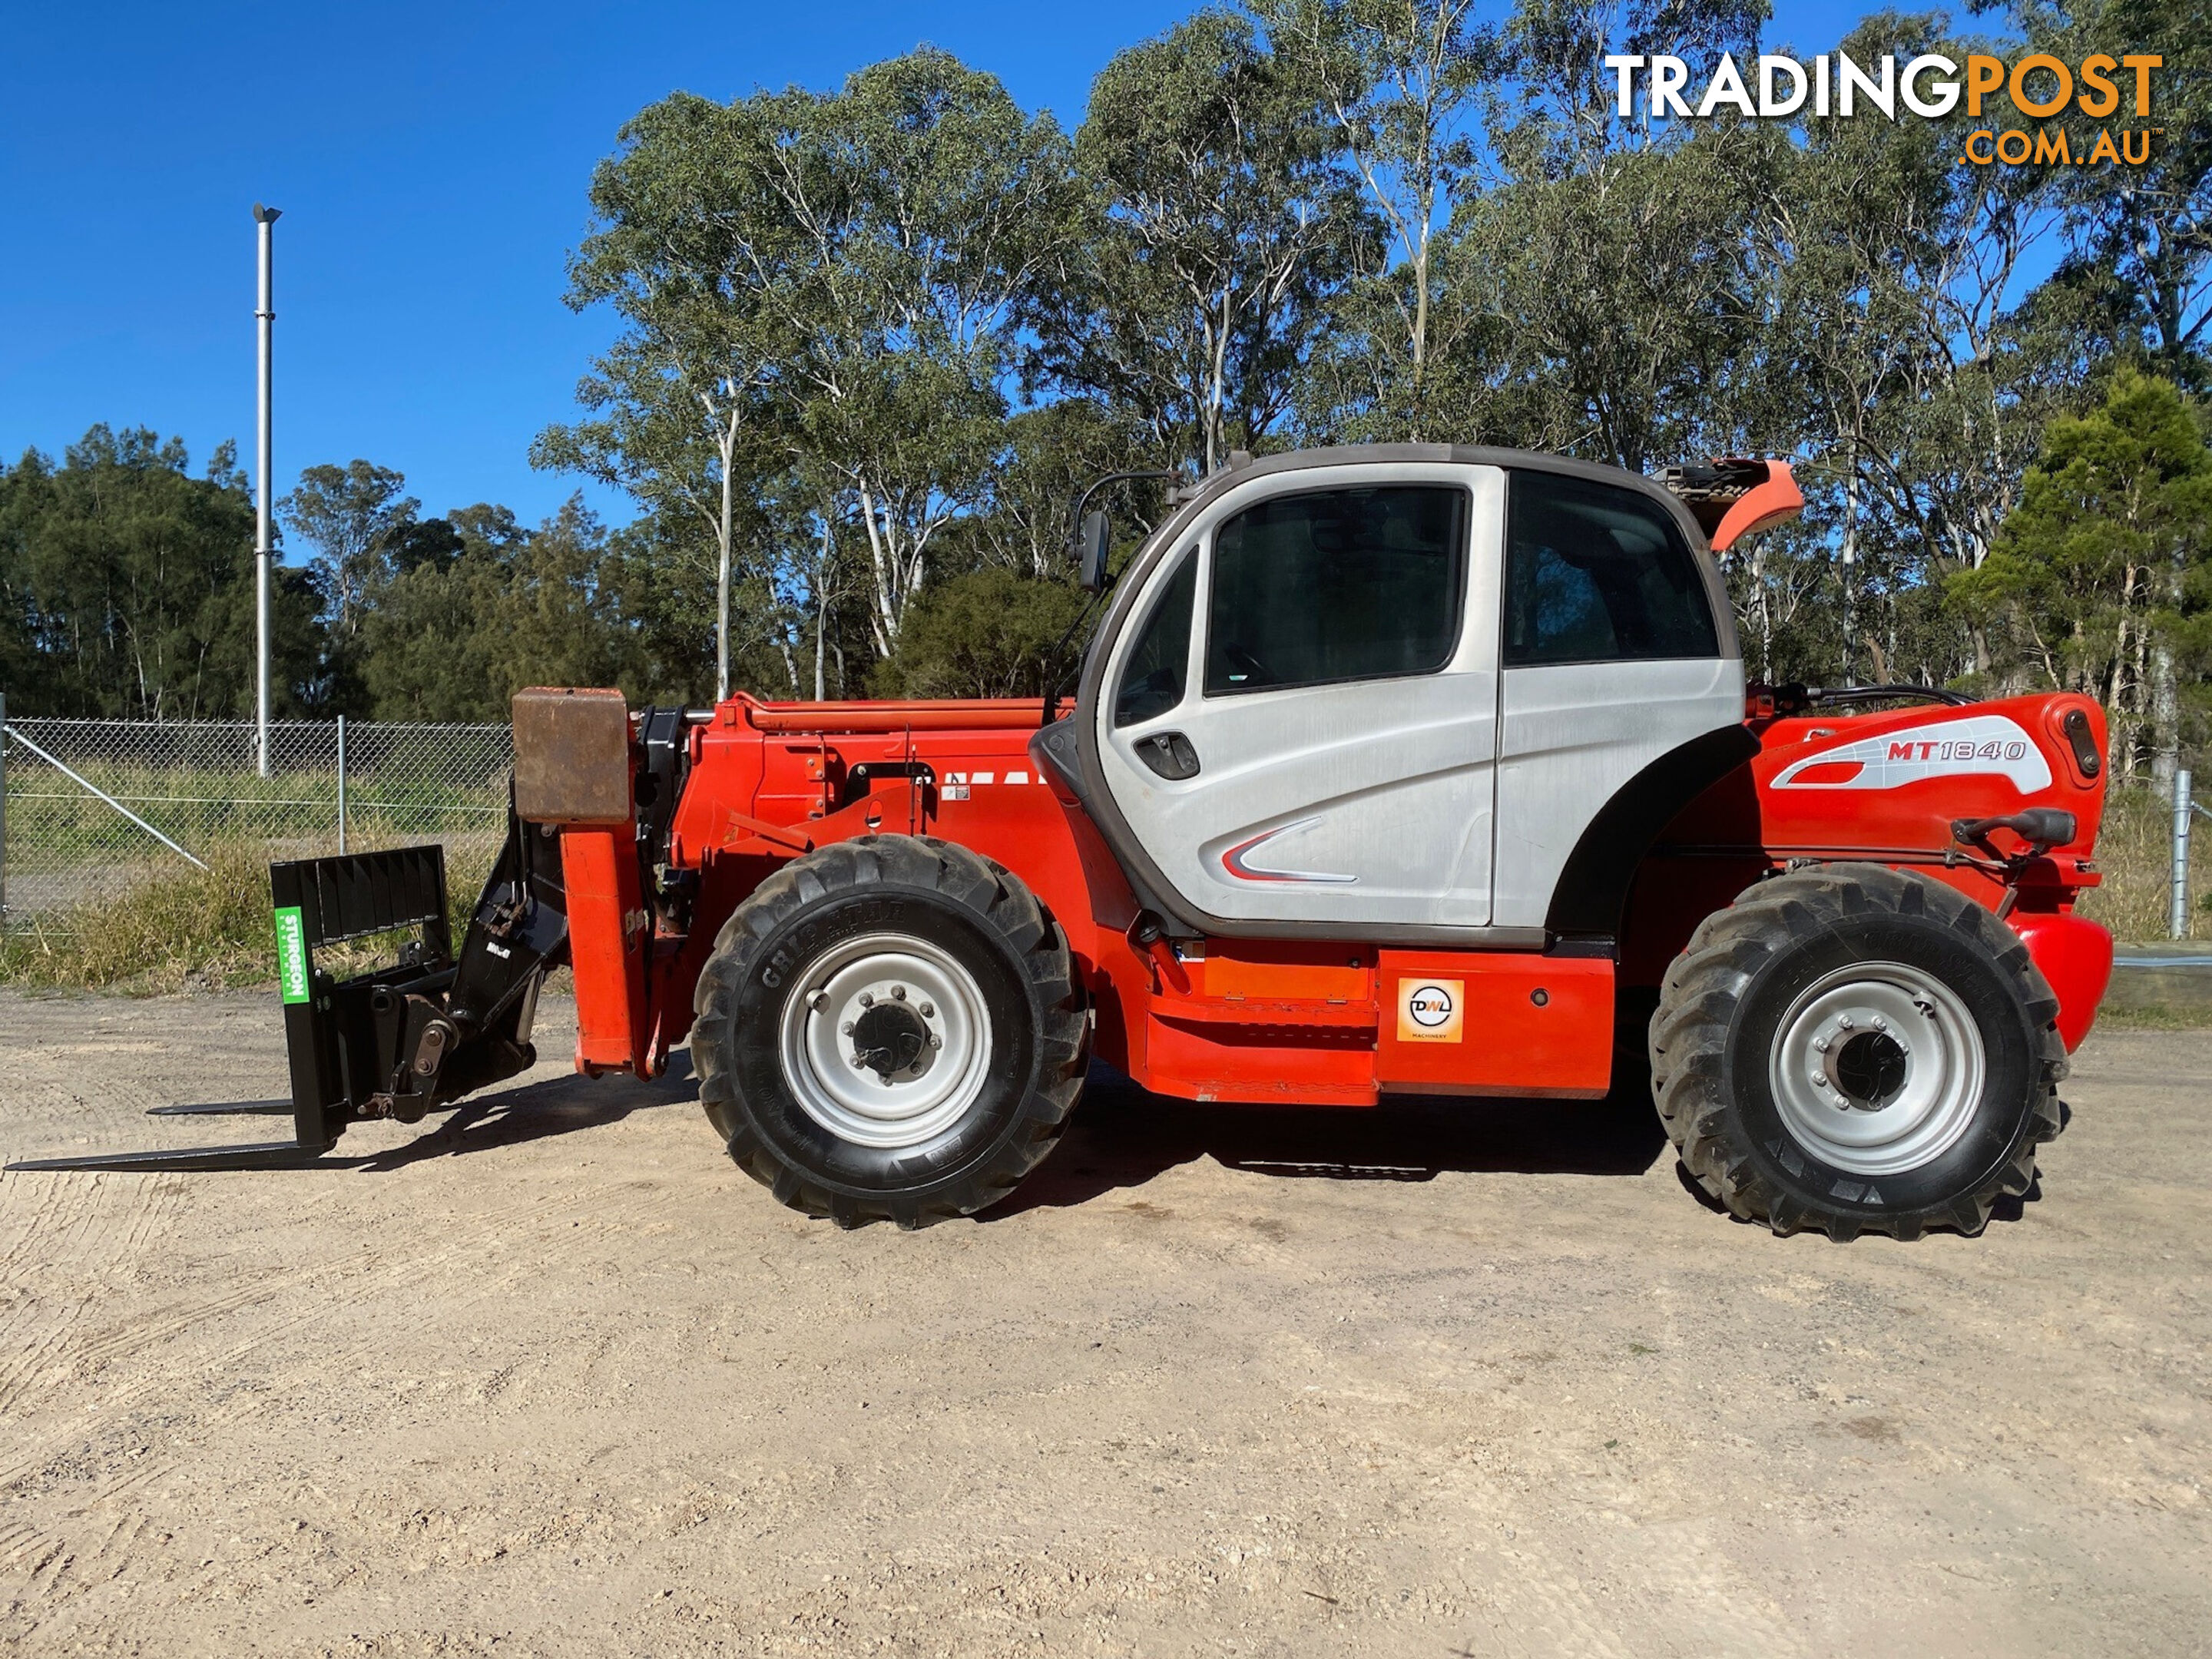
x: 292, y: 954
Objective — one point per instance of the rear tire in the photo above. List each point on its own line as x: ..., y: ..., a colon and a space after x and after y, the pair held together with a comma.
x: 1853, y: 1049
x: 889, y: 1030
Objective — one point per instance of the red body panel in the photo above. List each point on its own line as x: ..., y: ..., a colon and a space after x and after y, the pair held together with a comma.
x: 1323, y: 1023
x: 607, y: 937
x: 1532, y: 1024
x: 2076, y: 956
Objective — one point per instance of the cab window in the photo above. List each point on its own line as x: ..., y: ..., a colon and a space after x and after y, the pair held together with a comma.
x: 1336, y: 585
x: 1594, y: 574
x: 1152, y: 678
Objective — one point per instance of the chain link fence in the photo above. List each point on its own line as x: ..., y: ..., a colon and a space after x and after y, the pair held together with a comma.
x: 94, y: 806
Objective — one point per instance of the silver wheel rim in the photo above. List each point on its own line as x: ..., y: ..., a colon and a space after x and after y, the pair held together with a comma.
x: 930, y: 991
x: 1877, y: 1068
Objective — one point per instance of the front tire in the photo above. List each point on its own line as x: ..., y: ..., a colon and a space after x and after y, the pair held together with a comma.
x: 889, y: 1030
x: 1857, y: 1049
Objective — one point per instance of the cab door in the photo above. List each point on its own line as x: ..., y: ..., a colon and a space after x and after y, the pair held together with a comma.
x: 1618, y: 648
x: 1302, y: 727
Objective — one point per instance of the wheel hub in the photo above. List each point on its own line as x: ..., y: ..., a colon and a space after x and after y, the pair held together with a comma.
x: 891, y: 1040
x: 886, y: 1039
x: 1867, y: 1069
x: 1877, y: 1068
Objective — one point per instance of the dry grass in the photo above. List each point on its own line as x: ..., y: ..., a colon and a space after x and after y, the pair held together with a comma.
x: 2133, y: 851
x: 190, y: 929
x: 184, y: 927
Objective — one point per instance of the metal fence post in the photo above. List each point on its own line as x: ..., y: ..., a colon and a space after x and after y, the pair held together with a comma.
x: 341, y: 804
x: 2177, y: 917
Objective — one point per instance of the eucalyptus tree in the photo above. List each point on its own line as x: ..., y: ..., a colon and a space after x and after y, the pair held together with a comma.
x: 2140, y: 234
x: 689, y: 409
x: 2101, y: 568
x: 1924, y: 373
x: 936, y: 212
x: 1049, y: 452
x: 831, y: 282
x: 1401, y: 80
x: 1606, y: 277
x: 352, y: 516
x: 1219, y: 228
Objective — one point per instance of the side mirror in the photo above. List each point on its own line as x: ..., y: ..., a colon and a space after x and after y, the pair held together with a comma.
x: 1090, y: 544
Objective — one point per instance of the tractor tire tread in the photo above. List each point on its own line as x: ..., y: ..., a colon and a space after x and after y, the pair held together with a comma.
x: 990, y: 894
x: 1689, y: 1038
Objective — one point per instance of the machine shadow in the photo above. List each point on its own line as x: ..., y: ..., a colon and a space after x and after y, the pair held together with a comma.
x: 537, y: 1111
x: 1123, y: 1137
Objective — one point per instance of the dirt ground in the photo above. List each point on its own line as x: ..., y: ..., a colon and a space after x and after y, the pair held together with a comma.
x: 1451, y: 1378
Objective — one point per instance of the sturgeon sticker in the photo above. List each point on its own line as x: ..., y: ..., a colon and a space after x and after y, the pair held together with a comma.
x: 292, y: 954
x: 1976, y: 745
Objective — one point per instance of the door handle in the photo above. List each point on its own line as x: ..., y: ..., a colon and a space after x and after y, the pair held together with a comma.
x: 1168, y: 754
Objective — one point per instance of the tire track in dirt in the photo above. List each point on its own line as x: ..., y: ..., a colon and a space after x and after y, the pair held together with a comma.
x: 76, y: 1220
x: 533, y: 1226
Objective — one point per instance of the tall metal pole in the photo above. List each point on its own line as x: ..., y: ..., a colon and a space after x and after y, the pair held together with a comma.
x: 264, y: 552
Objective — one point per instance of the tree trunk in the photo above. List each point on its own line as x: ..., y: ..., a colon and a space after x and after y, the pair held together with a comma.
x: 2165, y: 694
x: 1850, y: 558
x: 821, y: 613
x: 725, y: 440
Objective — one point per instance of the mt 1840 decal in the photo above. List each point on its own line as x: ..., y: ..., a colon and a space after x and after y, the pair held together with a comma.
x: 1990, y: 744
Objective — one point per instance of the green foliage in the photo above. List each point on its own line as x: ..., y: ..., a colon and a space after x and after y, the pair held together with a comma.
x: 871, y: 341
x: 1219, y: 231
x: 989, y: 633
x: 455, y: 640
x: 2104, y: 561
x: 2140, y: 237
x: 818, y: 296
x: 125, y: 582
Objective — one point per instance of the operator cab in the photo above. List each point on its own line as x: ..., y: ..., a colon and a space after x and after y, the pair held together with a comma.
x: 1386, y: 692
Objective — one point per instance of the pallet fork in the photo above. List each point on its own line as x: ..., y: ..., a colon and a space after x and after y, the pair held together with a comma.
x: 398, y: 1041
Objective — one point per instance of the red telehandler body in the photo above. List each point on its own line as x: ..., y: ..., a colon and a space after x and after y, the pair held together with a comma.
x: 1399, y: 768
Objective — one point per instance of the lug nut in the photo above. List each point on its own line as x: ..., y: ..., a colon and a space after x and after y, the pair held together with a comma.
x: 898, y: 994
x: 929, y: 1011
x: 1845, y: 1021
x: 860, y: 1062
x: 867, y: 999
x: 1819, y: 1081
x: 936, y: 1041
x: 1820, y: 1045
x: 846, y: 1029
x: 1880, y: 1023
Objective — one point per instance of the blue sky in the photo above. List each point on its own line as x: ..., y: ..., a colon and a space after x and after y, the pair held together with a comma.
x: 431, y: 162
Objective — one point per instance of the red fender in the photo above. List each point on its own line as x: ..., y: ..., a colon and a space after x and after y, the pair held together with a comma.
x: 2076, y: 956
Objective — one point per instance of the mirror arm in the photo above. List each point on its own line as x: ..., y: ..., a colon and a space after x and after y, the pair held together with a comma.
x: 1075, y: 538
x: 1052, y: 662
x: 1083, y: 499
